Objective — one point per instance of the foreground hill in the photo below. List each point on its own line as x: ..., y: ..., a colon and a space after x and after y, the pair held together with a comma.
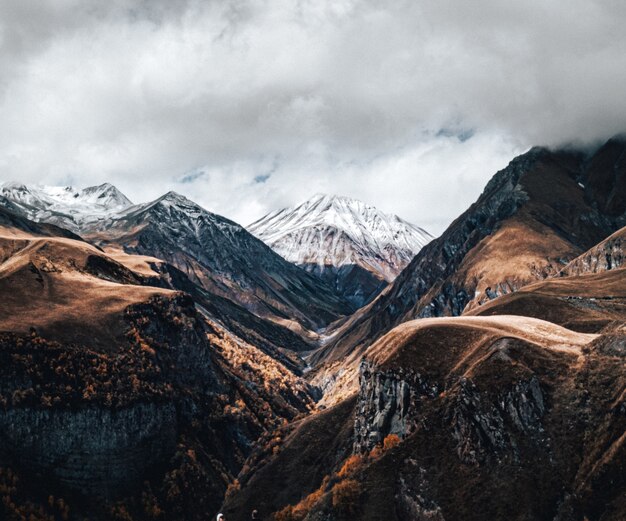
x: 119, y: 398
x: 536, y: 215
x: 476, y: 418
x: 356, y: 248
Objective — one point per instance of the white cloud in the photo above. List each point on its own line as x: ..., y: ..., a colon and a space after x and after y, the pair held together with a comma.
x: 337, y: 96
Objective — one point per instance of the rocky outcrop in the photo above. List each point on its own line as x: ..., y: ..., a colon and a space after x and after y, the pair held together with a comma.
x: 412, y: 504
x: 388, y: 403
x: 608, y: 255
x: 483, y: 426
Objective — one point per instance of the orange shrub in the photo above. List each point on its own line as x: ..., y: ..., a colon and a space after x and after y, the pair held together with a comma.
x: 298, y: 512
x: 351, y: 466
x: 346, y: 496
x: 391, y: 440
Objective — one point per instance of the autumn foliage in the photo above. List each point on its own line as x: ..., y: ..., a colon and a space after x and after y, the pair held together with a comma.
x: 345, y: 496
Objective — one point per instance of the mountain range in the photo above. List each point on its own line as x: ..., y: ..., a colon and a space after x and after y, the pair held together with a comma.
x: 329, y: 362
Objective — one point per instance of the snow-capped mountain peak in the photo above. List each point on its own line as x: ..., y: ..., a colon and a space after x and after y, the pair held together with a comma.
x: 105, y: 195
x: 65, y: 205
x: 329, y: 234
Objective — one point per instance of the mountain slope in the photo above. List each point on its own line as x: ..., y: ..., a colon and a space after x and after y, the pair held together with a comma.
x: 533, y: 217
x: 353, y: 246
x: 222, y: 257
x: 460, y: 418
x: 586, y: 303
x: 119, y: 391
x: 588, y: 295
x: 65, y: 206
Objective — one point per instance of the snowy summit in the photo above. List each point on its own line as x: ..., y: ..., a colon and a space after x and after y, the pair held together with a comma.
x: 65, y: 206
x: 338, y: 237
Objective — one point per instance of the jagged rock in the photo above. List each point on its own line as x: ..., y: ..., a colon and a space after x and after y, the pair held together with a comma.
x: 388, y: 403
x: 482, y: 427
x: 412, y: 505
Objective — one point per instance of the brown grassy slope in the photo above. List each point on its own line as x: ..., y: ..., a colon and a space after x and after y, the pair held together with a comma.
x: 189, y: 397
x: 223, y: 258
x: 584, y: 303
x: 305, y: 453
x: 529, y: 475
x: 67, y: 290
x: 482, y: 445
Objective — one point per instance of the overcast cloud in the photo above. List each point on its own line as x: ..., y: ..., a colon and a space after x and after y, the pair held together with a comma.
x: 245, y: 106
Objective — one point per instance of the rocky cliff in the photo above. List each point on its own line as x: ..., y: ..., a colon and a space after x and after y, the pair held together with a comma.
x: 388, y: 403
x: 610, y: 254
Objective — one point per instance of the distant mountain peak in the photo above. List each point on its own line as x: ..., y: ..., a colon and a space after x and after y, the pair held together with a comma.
x: 173, y: 196
x: 65, y: 206
x: 106, y: 194
x: 333, y: 235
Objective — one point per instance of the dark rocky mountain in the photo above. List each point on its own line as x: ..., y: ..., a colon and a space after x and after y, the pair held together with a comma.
x: 119, y: 399
x: 223, y: 258
x: 275, y: 340
x: 539, y: 213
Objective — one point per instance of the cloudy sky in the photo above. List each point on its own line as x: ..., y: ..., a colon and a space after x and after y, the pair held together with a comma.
x: 247, y: 106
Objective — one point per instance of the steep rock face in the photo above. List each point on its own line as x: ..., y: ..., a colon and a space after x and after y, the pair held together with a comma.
x: 610, y: 254
x: 510, y: 403
x: 354, y: 247
x: 388, y: 403
x: 92, y: 450
x: 482, y: 428
x: 98, y: 422
x: 532, y: 218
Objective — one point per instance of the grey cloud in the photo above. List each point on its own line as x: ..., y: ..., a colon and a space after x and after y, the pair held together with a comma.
x: 405, y: 104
